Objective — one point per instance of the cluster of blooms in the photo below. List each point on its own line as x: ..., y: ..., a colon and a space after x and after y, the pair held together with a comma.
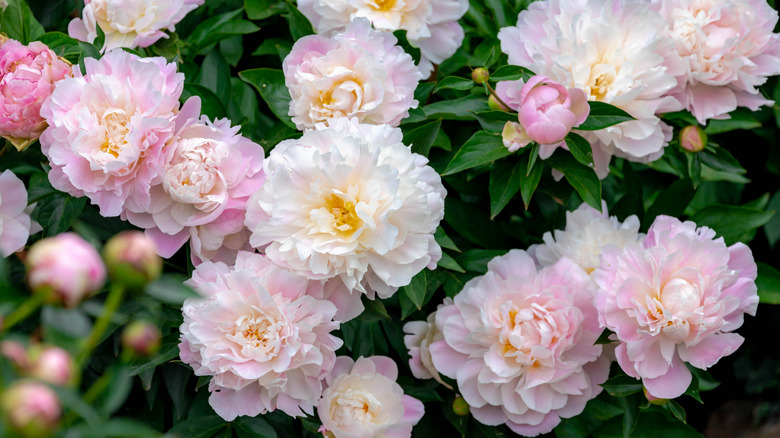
x: 646, y: 58
x: 520, y: 340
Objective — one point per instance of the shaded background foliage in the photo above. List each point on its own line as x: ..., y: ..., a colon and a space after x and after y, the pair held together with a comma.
x: 231, y: 53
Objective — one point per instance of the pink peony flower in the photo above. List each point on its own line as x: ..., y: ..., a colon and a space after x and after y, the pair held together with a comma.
x: 418, y: 339
x: 30, y: 408
x: 520, y: 343
x: 363, y: 400
x: 546, y: 111
x: 51, y: 364
x: 265, y: 341
x: 204, y: 188
x: 349, y: 202
x: 129, y: 23
x: 65, y: 267
x: 615, y: 52
x: 27, y: 78
x: 728, y: 50
x: 15, y: 223
x: 107, y: 130
x: 431, y: 25
x: 359, y: 72
x: 676, y: 297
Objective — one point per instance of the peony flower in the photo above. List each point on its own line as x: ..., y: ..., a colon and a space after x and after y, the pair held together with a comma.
x: 349, y: 202
x: 265, y: 341
x: 359, y: 72
x: 585, y: 236
x: 418, y: 339
x: 728, y: 50
x: 546, y: 111
x: 207, y: 182
x: 363, y: 400
x: 31, y: 409
x: 615, y: 53
x: 27, y: 78
x: 107, y: 129
x: 65, y: 267
x: 132, y: 259
x: 520, y: 343
x: 15, y: 223
x: 129, y: 23
x: 676, y: 297
x: 51, y: 364
x: 430, y: 25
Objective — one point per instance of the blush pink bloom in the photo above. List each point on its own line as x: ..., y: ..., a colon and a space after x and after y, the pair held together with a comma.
x: 359, y: 73
x: 108, y: 128
x: 418, y: 339
x: 520, y: 343
x: 430, y: 25
x: 546, y: 111
x: 65, y: 267
x: 129, y: 23
x: 728, y: 48
x: 27, y: 77
x: 675, y: 298
x: 204, y: 188
x: 15, y: 223
x: 51, y: 364
x: 264, y: 340
x: 363, y: 400
x: 615, y: 52
x: 30, y: 408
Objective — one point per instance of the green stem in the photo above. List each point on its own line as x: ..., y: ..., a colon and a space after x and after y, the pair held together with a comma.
x: 114, y: 299
x: 493, y: 92
x: 29, y: 306
x: 98, y: 386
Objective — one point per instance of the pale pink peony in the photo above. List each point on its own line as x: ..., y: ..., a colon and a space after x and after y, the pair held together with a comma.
x: 675, y: 298
x: 546, y: 111
x: 359, y: 72
x: 204, y: 189
x: 129, y: 23
x: 108, y: 128
x: 363, y: 400
x: 728, y: 50
x: 265, y: 341
x: 51, y: 364
x: 430, y: 25
x: 520, y: 343
x: 30, y: 408
x: 349, y: 202
x: 65, y: 267
x: 27, y: 77
x: 585, y: 236
x: 15, y: 223
x: 418, y: 339
x: 616, y: 53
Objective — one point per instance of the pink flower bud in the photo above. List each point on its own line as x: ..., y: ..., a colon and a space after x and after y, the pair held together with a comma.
x: 480, y: 75
x: 15, y: 352
x: 141, y: 338
x: 31, y: 409
x: 66, y: 268
x: 132, y: 259
x: 51, y: 364
x: 693, y: 138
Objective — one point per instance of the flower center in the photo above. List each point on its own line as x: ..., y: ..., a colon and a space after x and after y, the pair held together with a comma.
x: 601, y: 77
x: 384, y: 5
x: 258, y: 333
x: 336, y: 216
x: 356, y: 406
x: 678, y: 295
x: 345, y: 219
x: 115, y: 124
x: 344, y: 97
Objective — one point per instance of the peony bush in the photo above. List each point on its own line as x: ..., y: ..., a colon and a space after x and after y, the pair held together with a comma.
x: 389, y: 218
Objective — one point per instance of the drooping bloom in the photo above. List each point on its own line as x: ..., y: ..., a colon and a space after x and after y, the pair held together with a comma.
x: 616, y: 53
x: 520, y: 343
x: 418, y: 339
x: 107, y: 129
x: 676, y: 297
x: 728, y: 50
x: 129, y: 23
x: 15, y: 220
x: 546, y: 111
x: 363, y: 400
x: 585, y: 236
x: 359, y: 73
x: 349, y: 202
x: 430, y: 25
x: 27, y: 78
x: 203, y: 191
x: 265, y: 341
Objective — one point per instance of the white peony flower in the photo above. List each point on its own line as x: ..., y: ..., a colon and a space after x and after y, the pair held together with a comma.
x: 419, y: 337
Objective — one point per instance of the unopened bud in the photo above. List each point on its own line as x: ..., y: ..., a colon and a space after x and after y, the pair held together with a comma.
x: 480, y: 75
x: 66, y: 268
x: 132, y: 259
x: 693, y: 138
x: 655, y: 400
x: 51, y: 364
x: 141, y: 338
x: 31, y: 409
x: 495, y: 105
x: 460, y: 407
x: 15, y: 352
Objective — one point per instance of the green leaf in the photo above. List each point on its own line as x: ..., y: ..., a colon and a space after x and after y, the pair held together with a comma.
x: 215, y: 29
x: 57, y: 213
x: 671, y: 201
x: 511, y: 73
x: 603, y: 115
x: 299, y: 24
x: 454, y: 83
x: 505, y: 181
x: 476, y: 260
x: 472, y: 223
x: 274, y: 46
x: 719, y: 158
x: 582, y: 178
x: 772, y: 228
x: 19, y: 23
x: 622, y: 385
x: 676, y: 410
x: 456, y: 109
x: 740, y: 119
x: 114, y: 428
x: 232, y: 49
x: 443, y: 240
x: 198, y: 427
x: 374, y: 310
x: 62, y: 45
x: 215, y: 76
x: 253, y: 427
x: 421, y: 139
x: 731, y: 221
x: 170, y: 289
x: 482, y: 148
x: 169, y: 350
x: 768, y: 283
x: 494, y: 121
x: 118, y: 389
x: 580, y: 149
x: 531, y: 181
x: 630, y: 405
x: 416, y: 290
x: 261, y: 9
x: 270, y: 84
x: 447, y: 262
x: 210, y: 104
